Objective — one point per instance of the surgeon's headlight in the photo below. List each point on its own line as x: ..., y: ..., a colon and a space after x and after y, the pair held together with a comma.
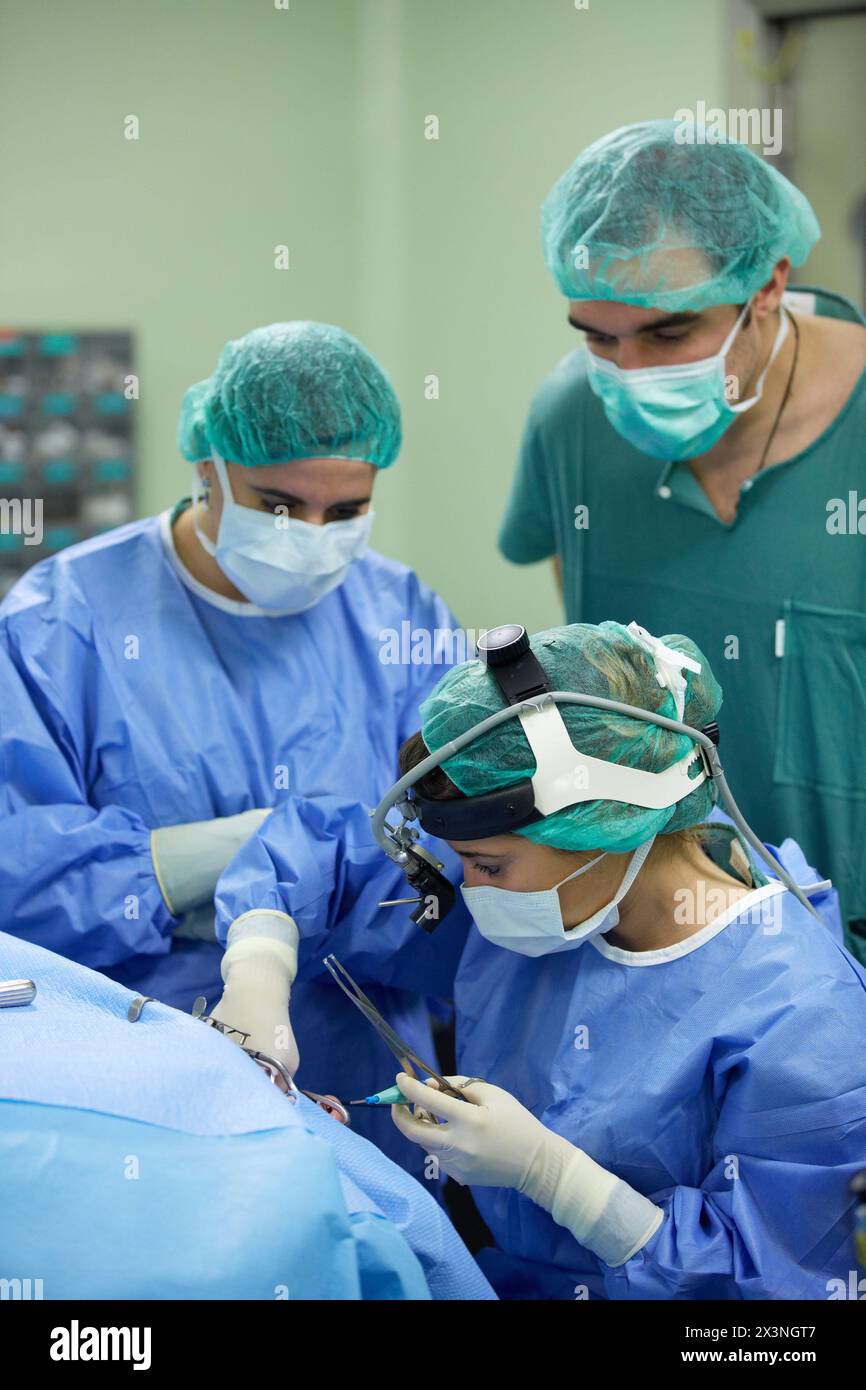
x: 502, y: 644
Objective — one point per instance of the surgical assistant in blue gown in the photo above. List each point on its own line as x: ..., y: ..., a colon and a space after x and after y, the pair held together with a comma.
x: 152, y: 1159
x: 724, y: 1078
x: 131, y: 697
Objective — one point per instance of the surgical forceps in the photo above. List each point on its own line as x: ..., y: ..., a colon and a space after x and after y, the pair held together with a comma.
x: 277, y: 1073
x: 392, y: 1040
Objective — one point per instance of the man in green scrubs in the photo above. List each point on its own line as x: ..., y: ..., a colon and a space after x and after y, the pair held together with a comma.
x: 728, y: 500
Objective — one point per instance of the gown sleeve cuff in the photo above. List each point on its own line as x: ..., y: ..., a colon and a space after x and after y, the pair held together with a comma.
x: 278, y: 926
x: 603, y: 1213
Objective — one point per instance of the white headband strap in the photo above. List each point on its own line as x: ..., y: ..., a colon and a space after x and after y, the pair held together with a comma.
x: 669, y: 665
x: 565, y: 777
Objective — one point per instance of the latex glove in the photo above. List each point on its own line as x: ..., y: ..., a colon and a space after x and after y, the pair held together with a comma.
x: 188, y: 859
x: 258, y: 972
x: 491, y: 1140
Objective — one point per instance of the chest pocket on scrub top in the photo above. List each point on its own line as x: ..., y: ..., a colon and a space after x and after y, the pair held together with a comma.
x: 822, y: 701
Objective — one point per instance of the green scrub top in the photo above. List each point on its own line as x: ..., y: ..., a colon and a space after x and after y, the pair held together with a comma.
x: 776, y: 600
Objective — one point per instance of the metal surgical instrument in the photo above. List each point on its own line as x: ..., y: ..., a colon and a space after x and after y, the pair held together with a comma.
x: 392, y: 1040
x: 274, y: 1069
x: 15, y: 992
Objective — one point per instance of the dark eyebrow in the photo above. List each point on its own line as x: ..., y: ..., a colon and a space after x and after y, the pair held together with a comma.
x: 300, y: 502
x: 666, y: 321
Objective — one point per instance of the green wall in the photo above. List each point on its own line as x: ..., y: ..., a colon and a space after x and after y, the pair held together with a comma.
x: 305, y: 126
x: 827, y: 160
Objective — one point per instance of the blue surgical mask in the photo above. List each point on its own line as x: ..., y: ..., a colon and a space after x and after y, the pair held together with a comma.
x: 531, y: 923
x: 282, y: 565
x: 675, y: 412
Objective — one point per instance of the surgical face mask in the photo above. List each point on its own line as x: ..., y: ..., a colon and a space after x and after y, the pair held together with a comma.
x: 531, y: 923
x: 675, y: 412
x: 281, y: 565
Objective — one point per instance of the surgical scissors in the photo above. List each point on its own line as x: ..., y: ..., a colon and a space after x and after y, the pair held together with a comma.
x: 392, y: 1040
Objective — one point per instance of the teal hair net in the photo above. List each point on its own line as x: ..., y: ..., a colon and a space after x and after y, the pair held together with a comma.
x: 607, y: 661
x: 294, y: 391
x: 642, y: 219
x: 191, y: 438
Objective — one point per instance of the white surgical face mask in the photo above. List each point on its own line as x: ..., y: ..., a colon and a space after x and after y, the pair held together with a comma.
x: 279, y: 564
x: 531, y: 923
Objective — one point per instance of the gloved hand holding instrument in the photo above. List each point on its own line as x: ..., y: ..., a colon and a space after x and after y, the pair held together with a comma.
x: 494, y: 1141
x: 482, y: 1135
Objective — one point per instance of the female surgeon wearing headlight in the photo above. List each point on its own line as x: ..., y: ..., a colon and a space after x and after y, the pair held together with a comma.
x: 165, y: 685
x: 673, y: 1048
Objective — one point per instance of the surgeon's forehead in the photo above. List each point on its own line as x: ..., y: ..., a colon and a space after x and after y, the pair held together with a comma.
x: 669, y: 267
x: 321, y: 476
x: 494, y: 847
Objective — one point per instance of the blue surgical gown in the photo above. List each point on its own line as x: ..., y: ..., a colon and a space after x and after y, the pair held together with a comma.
x: 724, y: 1078
x: 154, y: 1160
x: 130, y: 699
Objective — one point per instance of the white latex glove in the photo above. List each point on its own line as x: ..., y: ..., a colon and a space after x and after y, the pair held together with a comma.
x: 494, y: 1141
x: 258, y: 972
x: 188, y: 859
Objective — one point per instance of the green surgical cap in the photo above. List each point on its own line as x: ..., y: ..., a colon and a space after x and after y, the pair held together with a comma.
x: 607, y: 661
x: 643, y: 219
x: 293, y: 391
x: 191, y: 438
